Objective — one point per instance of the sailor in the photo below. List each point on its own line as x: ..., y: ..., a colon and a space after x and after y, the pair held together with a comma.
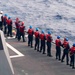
x: 37, y: 34
x: 58, y: 47
x: 49, y: 40
x: 66, y: 47
x: 43, y: 38
x: 72, y: 55
x: 9, y: 25
x: 5, y: 23
x: 30, y: 36
x: 1, y: 20
x: 22, y: 33
x: 17, y: 27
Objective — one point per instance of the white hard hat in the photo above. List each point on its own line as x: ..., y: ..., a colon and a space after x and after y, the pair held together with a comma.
x: 1, y: 12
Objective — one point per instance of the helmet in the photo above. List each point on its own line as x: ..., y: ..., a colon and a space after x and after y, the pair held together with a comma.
x: 49, y: 32
x: 30, y: 27
x: 73, y: 44
x: 22, y: 23
x: 36, y: 29
x: 42, y: 31
x: 58, y: 37
x: 66, y: 39
x: 9, y: 17
x: 1, y: 12
x: 17, y: 18
x: 5, y: 14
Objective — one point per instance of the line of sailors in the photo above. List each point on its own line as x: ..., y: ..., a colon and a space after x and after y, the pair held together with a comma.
x: 6, y: 25
x: 66, y: 52
x: 20, y: 31
x: 48, y: 37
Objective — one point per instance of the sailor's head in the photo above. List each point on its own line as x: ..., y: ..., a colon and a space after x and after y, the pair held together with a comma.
x: 58, y: 37
x: 30, y: 27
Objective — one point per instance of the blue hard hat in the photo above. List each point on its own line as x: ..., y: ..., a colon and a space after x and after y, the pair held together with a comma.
x: 74, y: 44
x: 30, y: 27
x: 9, y: 17
x: 49, y: 32
x: 58, y: 37
x: 42, y: 31
x: 66, y: 39
x: 37, y: 29
x: 5, y: 14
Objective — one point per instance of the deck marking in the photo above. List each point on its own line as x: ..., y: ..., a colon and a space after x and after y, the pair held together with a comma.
x: 16, y: 51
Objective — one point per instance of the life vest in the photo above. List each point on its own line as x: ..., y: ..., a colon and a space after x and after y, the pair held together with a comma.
x: 36, y: 34
x: 42, y: 36
x: 49, y: 38
x: 72, y: 50
x: 22, y: 29
x: 30, y: 32
x: 65, y: 44
x: 17, y: 24
x: 58, y: 42
x: 9, y: 22
x: 5, y: 20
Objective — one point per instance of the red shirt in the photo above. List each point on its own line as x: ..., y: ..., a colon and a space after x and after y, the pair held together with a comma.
x: 36, y: 34
x: 49, y: 38
x: 22, y: 29
x: 30, y: 31
x: 65, y: 44
x: 58, y: 42
x: 42, y: 36
x: 5, y: 19
x: 9, y: 22
x: 17, y: 24
x: 72, y: 50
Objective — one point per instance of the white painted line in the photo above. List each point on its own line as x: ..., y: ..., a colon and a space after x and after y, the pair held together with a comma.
x: 15, y: 56
x: 15, y: 50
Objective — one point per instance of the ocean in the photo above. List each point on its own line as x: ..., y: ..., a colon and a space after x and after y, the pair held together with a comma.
x: 58, y: 16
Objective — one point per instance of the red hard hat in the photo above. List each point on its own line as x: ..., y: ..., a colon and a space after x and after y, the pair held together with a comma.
x: 22, y: 23
x: 17, y: 19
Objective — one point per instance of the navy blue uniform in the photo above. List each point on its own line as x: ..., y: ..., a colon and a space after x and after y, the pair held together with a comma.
x: 72, y: 54
x: 49, y: 40
x: 58, y: 49
x: 36, y: 40
x: 30, y: 37
x: 43, y: 38
x: 9, y: 25
x: 65, y: 52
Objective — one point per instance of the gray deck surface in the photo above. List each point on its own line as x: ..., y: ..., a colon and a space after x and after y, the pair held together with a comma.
x: 35, y: 63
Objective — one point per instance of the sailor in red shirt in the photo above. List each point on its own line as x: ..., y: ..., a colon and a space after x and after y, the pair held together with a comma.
x: 49, y: 40
x: 66, y: 47
x: 17, y: 27
x: 5, y: 23
x: 43, y: 38
x: 9, y: 25
x: 58, y: 47
x: 30, y: 36
x: 36, y: 33
x: 72, y: 54
x: 22, y: 33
